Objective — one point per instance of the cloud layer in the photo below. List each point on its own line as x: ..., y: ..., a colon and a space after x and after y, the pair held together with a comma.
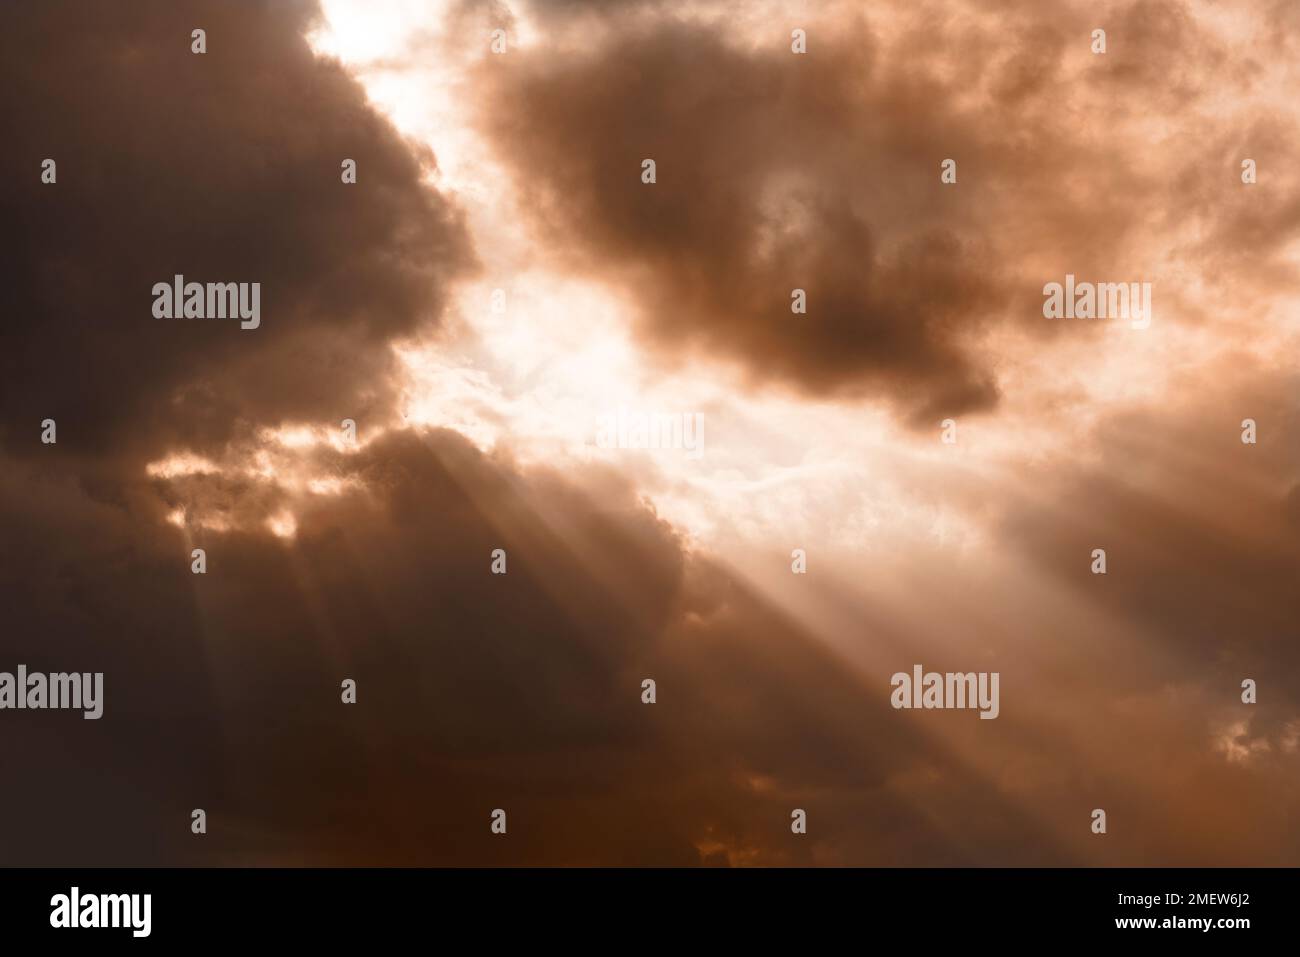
x: 330, y: 560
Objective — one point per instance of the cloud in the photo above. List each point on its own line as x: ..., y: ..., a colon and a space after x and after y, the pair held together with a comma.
x: 820, y: 172
x: 522, y: 691
x: 223, y: 166
x: 475, y: 691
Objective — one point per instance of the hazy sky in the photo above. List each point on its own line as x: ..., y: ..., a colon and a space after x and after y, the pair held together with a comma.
x: 500, y: 280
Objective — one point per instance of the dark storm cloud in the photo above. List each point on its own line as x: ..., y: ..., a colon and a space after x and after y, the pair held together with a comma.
x: 821, y: 172
x: 748, y: 205
x: 222, y: 167
x: 475, y: 691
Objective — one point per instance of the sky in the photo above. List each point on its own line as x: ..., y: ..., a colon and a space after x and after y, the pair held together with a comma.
x: 500, y: 284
